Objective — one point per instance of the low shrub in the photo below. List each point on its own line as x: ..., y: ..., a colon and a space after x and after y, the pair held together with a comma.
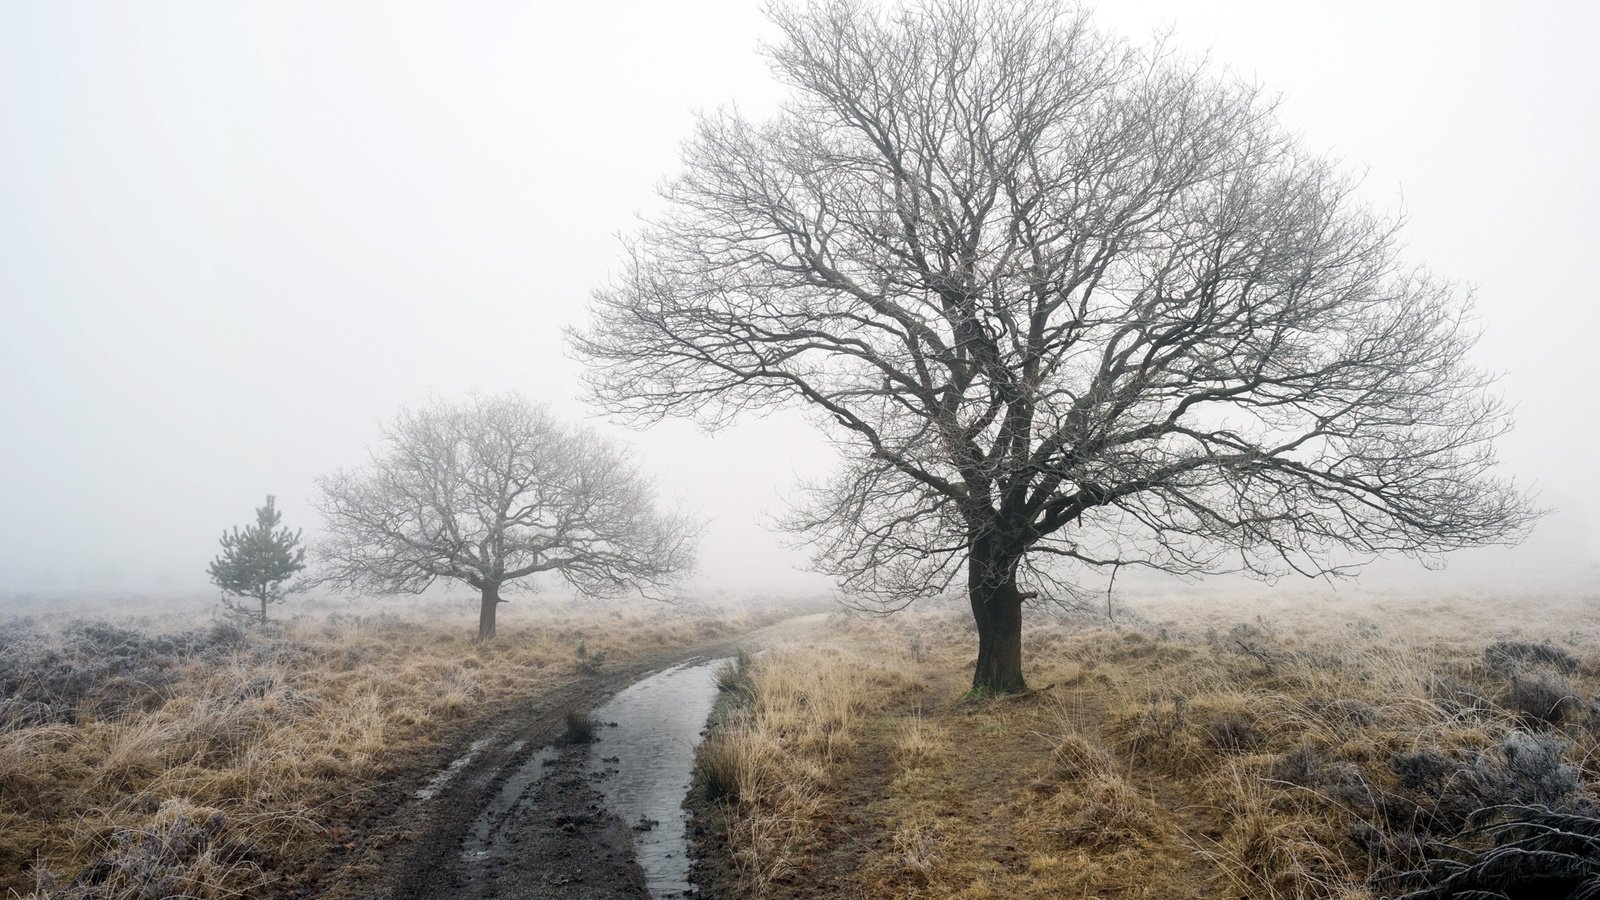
x: 1457, y: 698
x: 1541, y: 694
x: 1348, y: 713
x: 1436, y: 794
x: 1509, y: 655
x: 1534, y: 852
x: 95, y: 668
x: 186, y: 851
x: 1234, y: 732
x: 1442, y: 792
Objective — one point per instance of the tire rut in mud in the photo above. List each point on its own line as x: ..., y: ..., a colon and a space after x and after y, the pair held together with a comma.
x: 514, y: 820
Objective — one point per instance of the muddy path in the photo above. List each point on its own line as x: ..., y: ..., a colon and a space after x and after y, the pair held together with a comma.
x: 514, y: 811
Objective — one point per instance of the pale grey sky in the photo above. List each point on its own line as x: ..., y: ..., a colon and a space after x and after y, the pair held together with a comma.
x: 235, y: 236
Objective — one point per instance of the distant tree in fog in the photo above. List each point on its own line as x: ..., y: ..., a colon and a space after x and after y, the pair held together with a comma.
x: 256, y: 562
x: 493, y: 492
x: 1065, y: 305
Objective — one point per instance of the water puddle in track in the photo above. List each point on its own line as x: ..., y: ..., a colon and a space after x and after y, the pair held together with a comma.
x: 648, y: 759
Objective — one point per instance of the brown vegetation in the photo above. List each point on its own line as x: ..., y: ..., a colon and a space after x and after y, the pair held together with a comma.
x: 219, y: 763
x: 1286, y: 747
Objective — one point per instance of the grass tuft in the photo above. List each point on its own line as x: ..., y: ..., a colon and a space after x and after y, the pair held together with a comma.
x: 581, y: 726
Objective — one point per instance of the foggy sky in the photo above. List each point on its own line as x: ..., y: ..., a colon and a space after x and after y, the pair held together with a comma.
x: 234, y: 237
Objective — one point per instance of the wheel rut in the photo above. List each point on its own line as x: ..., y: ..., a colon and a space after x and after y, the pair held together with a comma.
x: 517, y: 812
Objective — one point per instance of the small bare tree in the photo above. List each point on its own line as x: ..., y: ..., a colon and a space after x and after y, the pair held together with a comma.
x: 1065, y: 305
x: 255, y: 563
x: 493, y: 492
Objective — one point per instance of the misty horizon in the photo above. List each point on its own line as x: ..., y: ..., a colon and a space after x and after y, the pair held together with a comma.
x: 237, y: 239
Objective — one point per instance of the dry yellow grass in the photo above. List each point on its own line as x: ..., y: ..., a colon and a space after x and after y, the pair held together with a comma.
x: 238, y: 774
x: 774, y: 754
x: 1275, y: 747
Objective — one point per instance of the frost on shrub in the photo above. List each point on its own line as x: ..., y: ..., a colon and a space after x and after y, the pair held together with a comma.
x: 19, y: 712
x: 1348, y: 713
x: 1458, y: 698
x: 186, y: 851
x: 1510, y: 655
x: 94, y: 668
x: 1439, y: 795
x: 1533, y: 852
x: 1541, y: 695
x: 1308, y: 766
x: 1255, y: 641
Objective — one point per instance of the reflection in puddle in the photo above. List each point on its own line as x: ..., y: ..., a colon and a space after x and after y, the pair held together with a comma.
x: 650, y: 755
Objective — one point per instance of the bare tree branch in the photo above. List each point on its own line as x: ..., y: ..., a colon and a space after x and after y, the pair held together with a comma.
x: 1063, y: 303
x: 492, y: 493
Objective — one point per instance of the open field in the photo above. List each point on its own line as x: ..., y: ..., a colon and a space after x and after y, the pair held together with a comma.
x: 1276, y: 746
x: 1269, y: 746
x: 163, y: 755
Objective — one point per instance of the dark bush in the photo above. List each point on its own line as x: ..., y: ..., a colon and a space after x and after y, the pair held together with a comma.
x: 1509, y: 655
x: 1438, y: 795
x: 1234, y: 732
x: 94, y: 668
x: 589, y: 663
x: 1534, y: 852
x: 1459, y: 698
x: 1442, y: 792
x: 1541, y: 695
x: 156, y: 862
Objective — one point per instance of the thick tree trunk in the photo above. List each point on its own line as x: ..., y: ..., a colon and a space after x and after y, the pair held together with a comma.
x: 491, y: 602
x: 997, y: 610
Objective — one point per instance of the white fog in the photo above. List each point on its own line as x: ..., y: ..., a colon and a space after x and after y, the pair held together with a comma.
x: 238, y: 236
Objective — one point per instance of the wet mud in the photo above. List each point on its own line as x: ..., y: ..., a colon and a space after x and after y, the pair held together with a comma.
x: 512, y: 811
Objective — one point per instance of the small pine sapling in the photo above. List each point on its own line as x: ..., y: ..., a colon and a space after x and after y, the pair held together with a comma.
x: 589, y: 663
x: 255, y: 563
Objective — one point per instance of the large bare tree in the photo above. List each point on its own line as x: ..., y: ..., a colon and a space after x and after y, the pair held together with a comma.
x: 494, y: 492
x: 1066, y: 304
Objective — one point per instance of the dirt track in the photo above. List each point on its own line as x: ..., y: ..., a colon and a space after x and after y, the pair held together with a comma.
x: 495, y: 828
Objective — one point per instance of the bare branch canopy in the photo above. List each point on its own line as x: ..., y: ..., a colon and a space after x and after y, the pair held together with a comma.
x: 493, y: 493
x: 1064, y: 303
